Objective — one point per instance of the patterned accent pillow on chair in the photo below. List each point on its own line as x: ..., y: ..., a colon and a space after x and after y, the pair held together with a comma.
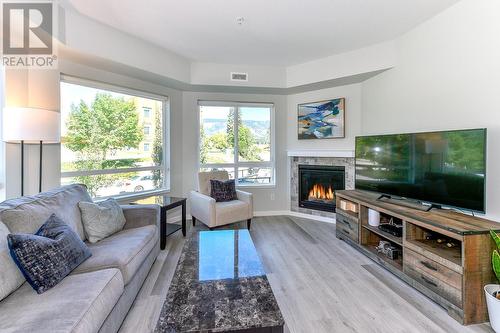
x: 223, y: 190
x: 48, y: 256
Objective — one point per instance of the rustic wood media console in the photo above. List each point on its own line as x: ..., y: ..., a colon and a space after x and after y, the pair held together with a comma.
x: 451, y: 276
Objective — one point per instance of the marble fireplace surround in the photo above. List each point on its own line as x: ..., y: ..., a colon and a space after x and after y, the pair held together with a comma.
x: 343, y: 158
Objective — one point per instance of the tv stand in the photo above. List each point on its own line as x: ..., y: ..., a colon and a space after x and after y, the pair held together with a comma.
x: 382, y: 196
x: 443, y: 254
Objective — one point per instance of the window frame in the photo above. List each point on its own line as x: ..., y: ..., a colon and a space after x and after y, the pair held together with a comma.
x: 164, y: 167
x: 236, y: 163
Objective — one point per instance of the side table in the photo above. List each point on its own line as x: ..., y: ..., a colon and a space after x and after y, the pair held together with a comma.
x: 167, y: 203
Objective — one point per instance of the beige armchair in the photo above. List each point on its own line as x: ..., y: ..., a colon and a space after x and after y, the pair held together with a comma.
x: 214, y: 214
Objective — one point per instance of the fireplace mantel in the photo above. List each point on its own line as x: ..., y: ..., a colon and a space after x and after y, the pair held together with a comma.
x: 320, y: 153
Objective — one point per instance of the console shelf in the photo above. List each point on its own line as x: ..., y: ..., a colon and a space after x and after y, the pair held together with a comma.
x: 443, y: 254
x: 397, y: 264
x: 386, y: 235
x: 438, y: 252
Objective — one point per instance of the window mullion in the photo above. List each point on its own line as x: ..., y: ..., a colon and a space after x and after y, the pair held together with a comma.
x: 236, y: 151
x: 96, y: 172
x: 165, y: 119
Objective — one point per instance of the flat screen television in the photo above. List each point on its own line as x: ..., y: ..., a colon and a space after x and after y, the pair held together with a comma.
x: 445, y: 168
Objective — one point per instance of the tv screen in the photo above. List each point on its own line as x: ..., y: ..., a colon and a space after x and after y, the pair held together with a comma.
x: 446, y: 168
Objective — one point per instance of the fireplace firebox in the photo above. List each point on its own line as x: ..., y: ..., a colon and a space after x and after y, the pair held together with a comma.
x: 317, y: 186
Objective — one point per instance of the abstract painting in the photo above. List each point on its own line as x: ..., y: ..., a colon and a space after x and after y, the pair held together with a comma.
x: 322, y: 120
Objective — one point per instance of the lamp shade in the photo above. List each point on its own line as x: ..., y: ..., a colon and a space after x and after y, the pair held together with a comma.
x: 31, y: 125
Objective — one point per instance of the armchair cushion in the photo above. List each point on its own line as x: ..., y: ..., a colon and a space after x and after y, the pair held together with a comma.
x: 205, y: 177
x: 230, y: 212
x: 223, y: 190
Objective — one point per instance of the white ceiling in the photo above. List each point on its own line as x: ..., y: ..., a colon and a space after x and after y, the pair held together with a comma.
x: 275, y: 32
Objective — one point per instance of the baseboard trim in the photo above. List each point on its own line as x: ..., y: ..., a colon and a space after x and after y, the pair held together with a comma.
x: 296, y: 214
x: 271, y: 213
x: 175, y: 219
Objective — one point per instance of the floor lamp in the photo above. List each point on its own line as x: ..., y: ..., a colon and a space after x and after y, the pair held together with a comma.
x: 31, y: 125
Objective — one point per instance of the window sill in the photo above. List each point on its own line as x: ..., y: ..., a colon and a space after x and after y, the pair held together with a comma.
x: 269, y: 186
x: 130, y: 197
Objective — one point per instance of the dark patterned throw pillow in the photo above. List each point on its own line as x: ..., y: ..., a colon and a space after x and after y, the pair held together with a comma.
x: 46, y: 257
x: 223, y: 190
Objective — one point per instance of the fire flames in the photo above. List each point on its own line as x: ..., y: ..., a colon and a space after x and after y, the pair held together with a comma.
x: 320, y: 192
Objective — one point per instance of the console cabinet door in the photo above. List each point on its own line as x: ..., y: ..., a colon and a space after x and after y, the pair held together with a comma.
x: 434, y: 276
x: 347, y: 227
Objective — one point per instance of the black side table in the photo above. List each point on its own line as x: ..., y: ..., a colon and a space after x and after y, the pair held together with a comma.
x: 166, y: 202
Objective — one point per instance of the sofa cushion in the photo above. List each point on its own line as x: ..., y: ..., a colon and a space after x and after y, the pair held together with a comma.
x: 80, y: 303
x: 11, y: 277
x: 48, y: 256
x: 125, y: 250
x: 101, y: 220
x: 27, y: 214
x: 230, y: 211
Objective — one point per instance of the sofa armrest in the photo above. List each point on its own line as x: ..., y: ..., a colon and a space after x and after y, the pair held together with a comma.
x: 247, y: 198
x: 202, y: 207
x: 141, y: 215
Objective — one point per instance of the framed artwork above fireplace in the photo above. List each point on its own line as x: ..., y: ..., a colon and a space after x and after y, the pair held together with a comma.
x: 321, y: 120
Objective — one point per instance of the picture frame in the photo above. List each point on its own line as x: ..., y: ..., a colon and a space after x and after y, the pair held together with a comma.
x: 321, y: 120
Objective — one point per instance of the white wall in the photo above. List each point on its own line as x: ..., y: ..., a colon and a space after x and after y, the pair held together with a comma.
x: 447, y: 77
x: 265, y: 199
x: 220, y: 74
x: 30, y: 88
x: 352, y: 94
x: 88, y: 36
x: 364, y: 60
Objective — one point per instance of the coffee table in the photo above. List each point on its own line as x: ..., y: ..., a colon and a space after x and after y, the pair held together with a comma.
x: 219, y: 285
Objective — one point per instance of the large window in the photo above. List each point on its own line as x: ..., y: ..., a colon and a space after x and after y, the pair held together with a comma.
x: 238, y: 137
x: 114, y: 140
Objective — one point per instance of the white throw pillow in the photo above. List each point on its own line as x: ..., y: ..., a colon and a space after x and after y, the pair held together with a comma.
x: 102, y: 219
x: 11, y: 277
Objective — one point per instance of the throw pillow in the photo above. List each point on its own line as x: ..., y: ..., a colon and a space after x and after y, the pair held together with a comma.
x: 223, y: 190
x: 102, y: 219
x: 10, y: 276
x: 48, y: 256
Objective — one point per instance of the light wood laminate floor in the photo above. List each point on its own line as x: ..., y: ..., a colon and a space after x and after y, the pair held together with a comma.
x: 321, y: 284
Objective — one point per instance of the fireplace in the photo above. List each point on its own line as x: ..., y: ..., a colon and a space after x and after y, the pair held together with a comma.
x: 317, y: 186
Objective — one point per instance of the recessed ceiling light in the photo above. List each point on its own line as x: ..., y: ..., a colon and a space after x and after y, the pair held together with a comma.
x: 240, y: 20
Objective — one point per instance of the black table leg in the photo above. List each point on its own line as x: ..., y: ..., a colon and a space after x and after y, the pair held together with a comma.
x: 163, y: 228
x: 184, y: 218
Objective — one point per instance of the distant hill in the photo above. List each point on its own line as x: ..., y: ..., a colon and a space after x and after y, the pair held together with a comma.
x: 259, y: 128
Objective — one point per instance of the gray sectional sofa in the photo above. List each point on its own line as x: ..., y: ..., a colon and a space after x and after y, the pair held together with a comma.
x: 97, y: 295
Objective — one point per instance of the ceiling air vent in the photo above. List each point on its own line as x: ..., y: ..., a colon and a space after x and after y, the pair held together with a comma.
x: 241, y: 77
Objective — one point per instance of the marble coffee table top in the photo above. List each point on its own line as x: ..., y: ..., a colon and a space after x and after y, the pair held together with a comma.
x: 219, y: 285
